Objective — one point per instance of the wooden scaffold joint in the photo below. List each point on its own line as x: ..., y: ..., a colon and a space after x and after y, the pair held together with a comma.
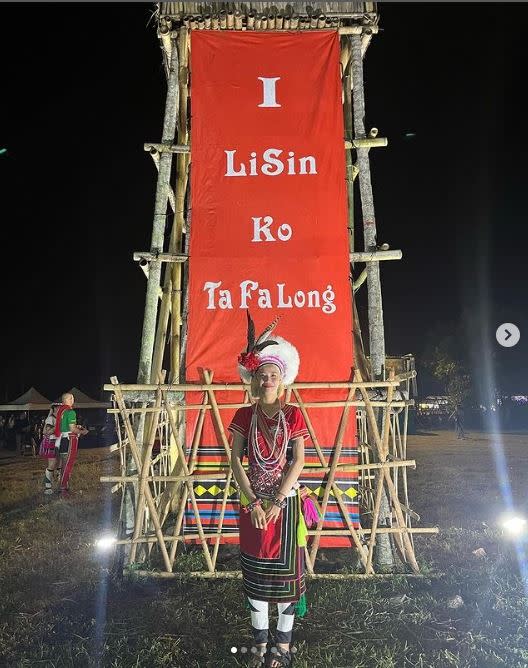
x: 145, y: 256
x: 367, y: 142
x: 152, y: 147
x: 376, y: 255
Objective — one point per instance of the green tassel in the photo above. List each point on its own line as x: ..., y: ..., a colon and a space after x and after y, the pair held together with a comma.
x: 302, y: 531
x: 300, y: 607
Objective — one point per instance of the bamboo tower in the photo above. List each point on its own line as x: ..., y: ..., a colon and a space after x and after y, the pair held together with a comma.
x: 158, y: 468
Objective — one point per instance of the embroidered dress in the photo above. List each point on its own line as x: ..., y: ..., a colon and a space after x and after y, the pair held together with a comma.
x: 272, y: 562
x: 47, y: 444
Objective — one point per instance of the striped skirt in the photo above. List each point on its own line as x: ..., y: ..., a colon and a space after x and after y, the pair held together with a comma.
x: 272, y: 561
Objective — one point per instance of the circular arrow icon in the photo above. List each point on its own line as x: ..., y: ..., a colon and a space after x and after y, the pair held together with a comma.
x: 508, y: 334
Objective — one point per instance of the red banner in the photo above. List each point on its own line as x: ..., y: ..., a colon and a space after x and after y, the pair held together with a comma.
x: 269, y: 208
x: 269, y: 218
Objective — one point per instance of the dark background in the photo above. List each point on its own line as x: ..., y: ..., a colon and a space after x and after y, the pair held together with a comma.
x: 83, y: 88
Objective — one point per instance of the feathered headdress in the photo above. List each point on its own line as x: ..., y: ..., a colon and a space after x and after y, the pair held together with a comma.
x: 265, y: 350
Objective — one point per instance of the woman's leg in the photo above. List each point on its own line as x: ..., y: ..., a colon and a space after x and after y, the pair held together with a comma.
x: 284, y: 630
x: 48, y: 476
x: 259, y: 623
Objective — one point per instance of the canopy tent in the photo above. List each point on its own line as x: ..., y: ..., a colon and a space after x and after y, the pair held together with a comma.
x: 32, y: 400
x: 83, y: 401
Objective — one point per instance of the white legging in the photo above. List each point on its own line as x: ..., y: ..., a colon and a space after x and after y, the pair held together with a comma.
x: 260, y: 621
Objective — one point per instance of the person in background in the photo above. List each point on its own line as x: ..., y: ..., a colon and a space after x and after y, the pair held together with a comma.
x: 2, y: 431
x: 22, y: 429
x: 457, y: 418
x: 48, y: 450
x: 67, y: 433
x: 10, y: 432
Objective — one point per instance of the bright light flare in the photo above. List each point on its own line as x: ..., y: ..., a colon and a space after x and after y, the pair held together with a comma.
x: 105, y: 543
x: 515, y: 525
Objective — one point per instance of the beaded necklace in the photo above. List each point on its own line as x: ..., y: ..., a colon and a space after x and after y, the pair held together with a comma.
x: 276, y: 456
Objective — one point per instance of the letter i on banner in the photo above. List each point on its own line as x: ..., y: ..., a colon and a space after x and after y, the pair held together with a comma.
x: 269, y: 209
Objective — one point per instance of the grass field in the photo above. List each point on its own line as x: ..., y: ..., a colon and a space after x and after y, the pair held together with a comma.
x: 60, y: 604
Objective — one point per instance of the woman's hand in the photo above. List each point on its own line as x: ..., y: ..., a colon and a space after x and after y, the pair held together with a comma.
x: 273, y: 513
x: 258, y: 517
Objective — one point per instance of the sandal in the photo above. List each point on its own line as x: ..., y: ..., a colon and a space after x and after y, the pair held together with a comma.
x: 282, y: 657
x: 257, y: 657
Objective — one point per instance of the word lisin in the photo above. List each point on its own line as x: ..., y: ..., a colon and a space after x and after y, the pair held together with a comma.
x: 279, y: 297
x: 270, y: 163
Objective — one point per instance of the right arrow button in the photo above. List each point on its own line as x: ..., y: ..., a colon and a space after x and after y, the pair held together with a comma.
x: 508, y: 334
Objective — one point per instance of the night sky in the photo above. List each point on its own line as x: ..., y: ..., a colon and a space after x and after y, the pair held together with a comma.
x: 83, y: 88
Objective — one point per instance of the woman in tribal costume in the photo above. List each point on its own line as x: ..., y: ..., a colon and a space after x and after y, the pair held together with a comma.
x: 272, y: 436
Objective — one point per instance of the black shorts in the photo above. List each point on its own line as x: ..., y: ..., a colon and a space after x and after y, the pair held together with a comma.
x: 63, y: 445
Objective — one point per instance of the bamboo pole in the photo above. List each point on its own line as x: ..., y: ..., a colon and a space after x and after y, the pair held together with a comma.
x: 192, y: 465
x: 155, y: 157
x: 179, y: 216
x: 175, y: 241
x: 198, y: 432
x: 311, y: 430
x: 347, y: 110
x: 311, y: 532
x: 386, y: 425
x: 375, y: 517
x: 220, y: 475
x: 137, y: 460
x: 331, y: 475
x: 222, y: 514
x: 177, y: 526
x: 201, y: 387
x: 158, y: 225
x: 162, y: 257
x: 401, y: 522
x: 395, y: 500
x: 375, y: 306
x: 207, y: 377
x: 383, y: 458
x: 357, y: 31
x: 377, y: 256
x: 190, y: 489
x: 145, y: 469
x: 153, y: 281
x: 308, y: 404
x: 309, y: 469
x: 324, y: 467
x: 237, y: 575
x: 384, y: 556
x: 170, y: 494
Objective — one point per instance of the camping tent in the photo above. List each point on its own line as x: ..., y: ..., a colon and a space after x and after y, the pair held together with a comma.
x: 32, y: 400
x: 83, y: 401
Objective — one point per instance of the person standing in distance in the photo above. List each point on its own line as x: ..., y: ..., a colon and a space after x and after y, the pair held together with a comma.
x: 67, y: 433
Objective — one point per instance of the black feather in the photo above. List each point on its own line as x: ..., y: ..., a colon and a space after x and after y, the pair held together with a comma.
x: 250, y: 333
x: 267, y: 332
x: 261, y: 346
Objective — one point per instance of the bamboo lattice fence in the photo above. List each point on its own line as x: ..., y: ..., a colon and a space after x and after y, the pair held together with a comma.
x: 159, y: 525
